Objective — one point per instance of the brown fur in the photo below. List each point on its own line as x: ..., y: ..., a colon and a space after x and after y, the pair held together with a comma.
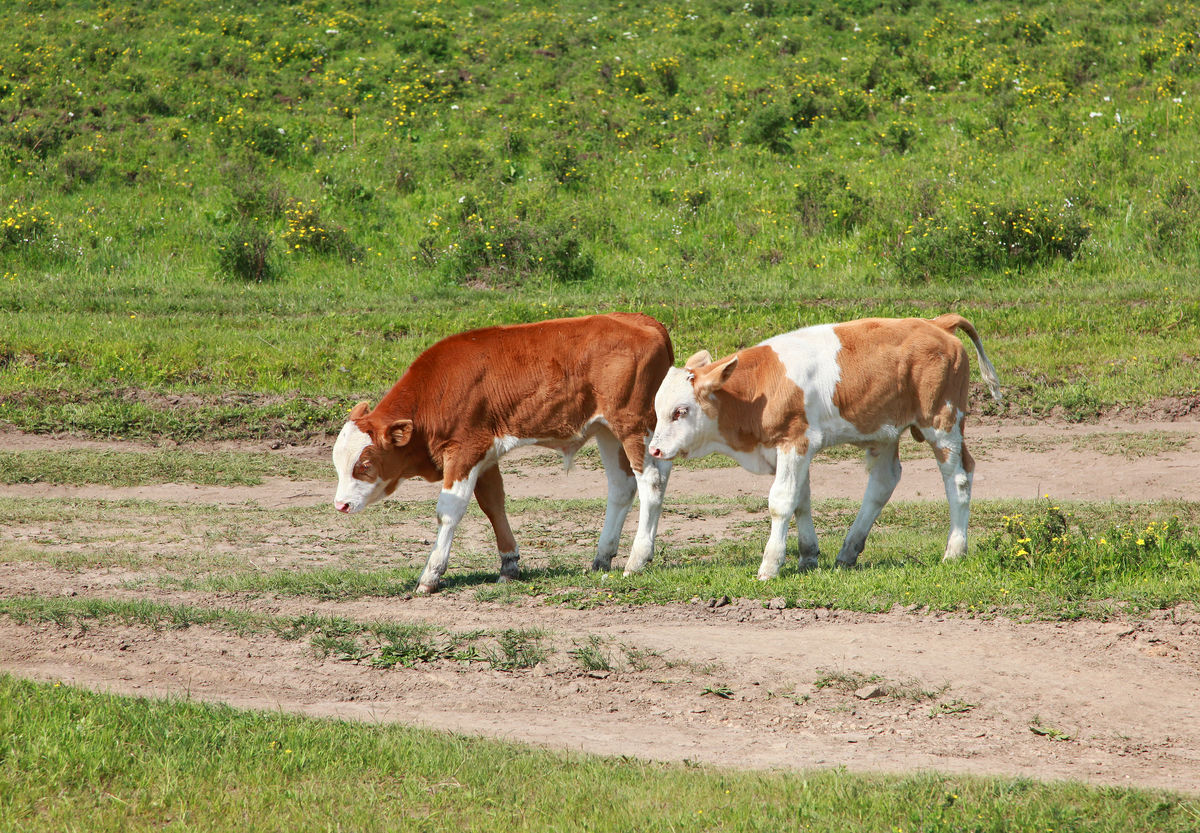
x: 900, y: 372
x: 757, y: 405
x: 534, y: 381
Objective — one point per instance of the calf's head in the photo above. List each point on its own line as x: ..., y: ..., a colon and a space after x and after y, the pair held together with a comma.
x: 368, y: 459
x: 686, y: 406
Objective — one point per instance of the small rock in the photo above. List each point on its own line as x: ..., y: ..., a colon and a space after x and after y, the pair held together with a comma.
x: 598, y: 675
x: 69, y: 591
x: 870, y: 692
x: 721, y: 602
x: 777, y: 603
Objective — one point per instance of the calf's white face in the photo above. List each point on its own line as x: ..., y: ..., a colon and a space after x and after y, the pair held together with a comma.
x: 360, y: 482
x: 681, y: 422
x: 685, y: 407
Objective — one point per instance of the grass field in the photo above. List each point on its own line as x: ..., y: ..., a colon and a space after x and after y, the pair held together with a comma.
x: 234, y: 222
x: 146, y: 765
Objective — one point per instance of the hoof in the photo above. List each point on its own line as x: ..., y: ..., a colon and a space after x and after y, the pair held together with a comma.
x: 601, y: 566
x: 425, y: 589
x: 503, y: 579
x: 847, y: 565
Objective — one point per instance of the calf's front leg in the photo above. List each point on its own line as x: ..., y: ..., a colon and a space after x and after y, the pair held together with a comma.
x: 652, y: 487
x: 451, y: 506
x: 787, y: 492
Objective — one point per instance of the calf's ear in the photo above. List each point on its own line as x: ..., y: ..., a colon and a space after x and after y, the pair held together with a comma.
x: 399, y: 432
x: 698, y: 360
x: 359, y: 411
x: 715, y: 376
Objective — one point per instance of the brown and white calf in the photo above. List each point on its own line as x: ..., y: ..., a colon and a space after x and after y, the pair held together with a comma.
x: 471, y: 398
x: 772, y: 407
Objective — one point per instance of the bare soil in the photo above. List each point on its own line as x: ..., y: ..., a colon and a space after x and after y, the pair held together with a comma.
x: 1105, y: 702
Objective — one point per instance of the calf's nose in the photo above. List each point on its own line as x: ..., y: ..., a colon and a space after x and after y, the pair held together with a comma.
x: 656, y: 452
x: 342, y: 507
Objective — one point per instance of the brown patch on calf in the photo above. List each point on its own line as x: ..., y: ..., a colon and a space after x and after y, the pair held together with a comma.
x: 900, y: 372
x: 757, y: 405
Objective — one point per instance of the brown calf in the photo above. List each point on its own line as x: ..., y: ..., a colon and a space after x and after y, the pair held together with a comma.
x: 471, y: 398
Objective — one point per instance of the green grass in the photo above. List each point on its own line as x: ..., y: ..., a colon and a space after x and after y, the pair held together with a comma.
x: 1029, y: 559
x: 79, y: 760
x: 236, y: 221
x: 379, y: 644
x: 78, y: 466
x: 1080, y: 560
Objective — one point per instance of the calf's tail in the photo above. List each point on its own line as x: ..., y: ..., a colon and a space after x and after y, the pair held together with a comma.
x: 951, y: 322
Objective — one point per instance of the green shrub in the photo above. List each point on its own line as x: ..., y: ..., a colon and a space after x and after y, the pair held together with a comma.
x: 308, y: 231
x: 825, y: 201
x: 976, y: 236
x: 247, y: 252
x: 770, y: 127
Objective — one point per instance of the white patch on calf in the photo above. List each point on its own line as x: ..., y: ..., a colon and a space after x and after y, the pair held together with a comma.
x: 809, y: 358
x: 352, y: 493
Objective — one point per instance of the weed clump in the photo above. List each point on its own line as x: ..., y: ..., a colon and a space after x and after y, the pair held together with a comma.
x: 1059, y: 550
x: 247, y: 252
x: 308, y: 231
x: 989, y: 237
x: 25, y: 226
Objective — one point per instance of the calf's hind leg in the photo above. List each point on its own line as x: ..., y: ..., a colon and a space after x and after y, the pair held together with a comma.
x: 489, y: 494
x: 883, y: 466
x: 622, y: 486
x: 958, y: 470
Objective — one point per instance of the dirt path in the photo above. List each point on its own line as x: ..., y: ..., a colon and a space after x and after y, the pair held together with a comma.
x: 960, y: 695
x: 1108, y: 461
x: 1125, y: 693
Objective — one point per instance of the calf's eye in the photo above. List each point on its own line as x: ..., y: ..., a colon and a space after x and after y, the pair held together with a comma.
x: 679, y: 413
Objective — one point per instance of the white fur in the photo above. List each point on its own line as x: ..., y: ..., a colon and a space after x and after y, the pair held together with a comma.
x: 451, y: 506
x: 957, y: 481
x: 356, y: 494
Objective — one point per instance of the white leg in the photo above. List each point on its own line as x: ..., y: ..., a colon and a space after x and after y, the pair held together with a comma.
x: 883, y: 466
x: 958, y: 470
x: 621, y: 489
x: 651, y: 486
x: 787, y: 493
x: 810, y: 549
x: 451, y: 506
